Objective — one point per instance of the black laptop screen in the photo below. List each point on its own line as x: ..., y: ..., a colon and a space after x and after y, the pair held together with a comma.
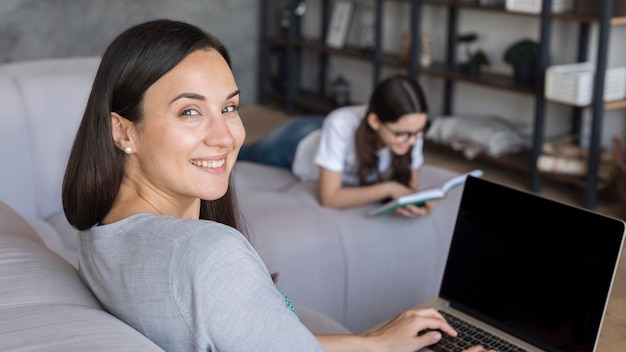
x: 533, y: 267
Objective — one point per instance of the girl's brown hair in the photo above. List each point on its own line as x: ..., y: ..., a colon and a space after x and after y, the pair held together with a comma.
x: 392, y: 98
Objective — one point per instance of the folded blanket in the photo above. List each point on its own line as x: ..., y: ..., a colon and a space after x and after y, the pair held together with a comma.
x: 474, y: 134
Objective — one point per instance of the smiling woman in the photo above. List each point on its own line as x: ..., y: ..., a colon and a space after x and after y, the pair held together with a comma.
x: 148, y: 184
x: 160, y: 245
x: 178, y: 130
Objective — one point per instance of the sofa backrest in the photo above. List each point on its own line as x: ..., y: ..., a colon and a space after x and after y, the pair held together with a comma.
x: 13, y: 224
x: 42, y: 104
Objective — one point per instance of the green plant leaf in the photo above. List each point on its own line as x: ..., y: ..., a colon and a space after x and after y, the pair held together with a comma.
x: 524, y: 50
x: 479, y: 58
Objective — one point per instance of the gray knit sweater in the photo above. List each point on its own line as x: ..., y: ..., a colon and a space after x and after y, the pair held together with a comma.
x: 189, y: 285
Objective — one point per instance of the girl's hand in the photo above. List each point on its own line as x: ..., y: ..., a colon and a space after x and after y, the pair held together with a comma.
x: 413, y: 211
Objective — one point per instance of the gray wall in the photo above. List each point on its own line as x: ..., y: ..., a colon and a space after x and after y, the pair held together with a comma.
x: 37, y: 29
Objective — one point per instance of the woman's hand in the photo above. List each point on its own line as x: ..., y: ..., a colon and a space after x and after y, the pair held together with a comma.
x: 401, y: 333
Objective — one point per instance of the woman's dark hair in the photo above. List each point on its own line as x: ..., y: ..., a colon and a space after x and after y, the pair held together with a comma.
x: 136, y: 59
x: 392, y: 98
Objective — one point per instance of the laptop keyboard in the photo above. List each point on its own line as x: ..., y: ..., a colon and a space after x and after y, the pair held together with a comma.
x: 470, y: 335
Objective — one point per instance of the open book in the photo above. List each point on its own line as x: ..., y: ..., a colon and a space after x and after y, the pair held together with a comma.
x: 420, y: 197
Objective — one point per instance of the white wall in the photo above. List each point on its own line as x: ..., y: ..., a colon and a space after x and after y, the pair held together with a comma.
x: 497, y: 31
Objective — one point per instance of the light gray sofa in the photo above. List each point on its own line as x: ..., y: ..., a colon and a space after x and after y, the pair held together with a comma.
x: 357, y: 270
x: 44, y: 306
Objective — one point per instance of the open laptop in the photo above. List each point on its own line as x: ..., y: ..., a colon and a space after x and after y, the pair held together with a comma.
x: 532, y: 271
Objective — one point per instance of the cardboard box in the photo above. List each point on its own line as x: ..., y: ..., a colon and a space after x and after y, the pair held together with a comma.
x: 592, y: 7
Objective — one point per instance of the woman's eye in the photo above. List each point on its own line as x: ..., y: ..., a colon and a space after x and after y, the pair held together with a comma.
x: 190, y: 112
x: 230, y: 108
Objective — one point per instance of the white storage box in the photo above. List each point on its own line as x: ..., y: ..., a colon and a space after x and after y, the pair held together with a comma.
x: 534, y: 6
x: 573, y: 83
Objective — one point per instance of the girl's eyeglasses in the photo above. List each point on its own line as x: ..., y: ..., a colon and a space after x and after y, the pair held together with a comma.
x: 404, y: 136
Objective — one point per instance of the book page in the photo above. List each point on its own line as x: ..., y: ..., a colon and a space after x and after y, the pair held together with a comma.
x: 420, y: 197
x: 459, y: 180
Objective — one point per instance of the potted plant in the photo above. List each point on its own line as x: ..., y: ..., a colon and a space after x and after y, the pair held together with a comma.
x: 523, y: 55
x: 474, y: 59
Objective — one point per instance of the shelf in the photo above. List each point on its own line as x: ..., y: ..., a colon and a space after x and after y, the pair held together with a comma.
x: 615, y: 21
x: 614, y: 105
x: 308, y: 101
x: 350, y: 52
x: 451, y: 75
x: 465, y: 5
x: 566, y: 16
x: 488, y: 79
x: 519, y: 162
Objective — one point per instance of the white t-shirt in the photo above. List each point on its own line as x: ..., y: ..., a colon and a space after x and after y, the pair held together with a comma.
x: 332, y: 147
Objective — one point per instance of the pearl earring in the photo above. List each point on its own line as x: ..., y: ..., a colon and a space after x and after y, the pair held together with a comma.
x: 128, y: 150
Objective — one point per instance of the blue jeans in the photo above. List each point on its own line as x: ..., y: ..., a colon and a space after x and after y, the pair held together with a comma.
x: 279, y: 147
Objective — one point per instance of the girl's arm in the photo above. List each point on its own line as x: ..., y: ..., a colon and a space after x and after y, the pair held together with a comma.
x: 334, y: 195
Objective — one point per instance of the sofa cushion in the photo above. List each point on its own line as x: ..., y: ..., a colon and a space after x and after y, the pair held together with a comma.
x: 261, y: 177
x: 67, y: 233
x: 17, y: 178
x: 47, y: 98
x: 357, y: 270
x: 295, y: 240
x: 319, y: 323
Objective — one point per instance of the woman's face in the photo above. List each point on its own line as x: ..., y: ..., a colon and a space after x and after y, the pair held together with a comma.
x: 187, y: 144
x: 400, y: 135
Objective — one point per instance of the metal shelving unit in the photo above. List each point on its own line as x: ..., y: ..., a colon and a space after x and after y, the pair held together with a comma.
x: 316, y: 101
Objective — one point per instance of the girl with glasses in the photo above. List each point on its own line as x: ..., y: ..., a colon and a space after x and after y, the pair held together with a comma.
x: 359, y: 154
